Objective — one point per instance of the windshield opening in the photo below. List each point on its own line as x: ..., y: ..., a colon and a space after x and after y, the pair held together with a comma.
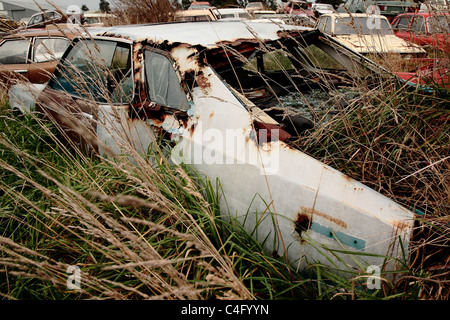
x: 283, y: 81
x: 265, y: 76
x: 362, y: 25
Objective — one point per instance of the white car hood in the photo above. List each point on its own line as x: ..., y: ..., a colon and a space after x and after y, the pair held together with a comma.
x: 378, y: 44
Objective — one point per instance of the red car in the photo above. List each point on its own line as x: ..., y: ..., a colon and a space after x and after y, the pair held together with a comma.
x: 433, y: 72
x: 424, y: 28
x: 299, y: 7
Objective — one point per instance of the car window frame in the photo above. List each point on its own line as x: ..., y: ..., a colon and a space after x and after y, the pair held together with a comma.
x: 182, y: 85
x: 72, y: 44
x: 415, y: 23
x: 429, y: 27
x: 329, y: 25
x: 27, y: 58
x: 54, y: 15
x: 33, y: 49
x: 400, y: 18
x: 34, y: 17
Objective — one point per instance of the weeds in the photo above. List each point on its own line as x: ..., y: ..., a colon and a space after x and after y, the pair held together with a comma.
x: 134, y: 235
x: 396, y: 140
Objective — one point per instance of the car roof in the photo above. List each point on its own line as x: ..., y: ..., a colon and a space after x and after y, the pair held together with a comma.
x: 425, y: 13
x: 27, y: 33
x: 232, y: 10
x: 48, y: 11
x: 346, y: 15
x: 97, y: 14
x: 213, y: 33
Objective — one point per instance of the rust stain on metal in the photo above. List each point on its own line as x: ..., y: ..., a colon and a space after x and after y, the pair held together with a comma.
x: 203, y: 82
x: 271, y: 128
x: 401, y: 225
x: 302, y: 224
x: 311, y: 211
x: 191, y: 129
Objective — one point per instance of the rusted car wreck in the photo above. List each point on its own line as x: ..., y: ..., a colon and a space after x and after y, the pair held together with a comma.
x: 213, y: 93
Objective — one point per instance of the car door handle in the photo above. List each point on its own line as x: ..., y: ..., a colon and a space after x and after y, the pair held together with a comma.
x: 21, y: 71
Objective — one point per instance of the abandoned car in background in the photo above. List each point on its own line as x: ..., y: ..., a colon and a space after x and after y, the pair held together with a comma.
x: 366, y: 34
x: 197, y: 15
x: 216, y: 95
x: 424, y: 29
x: 32, y: 55
x: 387, y: 8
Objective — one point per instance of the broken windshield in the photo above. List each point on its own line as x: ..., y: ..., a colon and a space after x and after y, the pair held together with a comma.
x: 99, y: 70
x: 280, y: 79
x: 272, y: 72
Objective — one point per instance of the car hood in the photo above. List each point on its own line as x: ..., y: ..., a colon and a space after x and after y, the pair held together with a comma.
x: 378, y: 44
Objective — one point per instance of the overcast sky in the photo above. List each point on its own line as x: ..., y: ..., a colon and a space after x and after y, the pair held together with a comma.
x: 63, y: 4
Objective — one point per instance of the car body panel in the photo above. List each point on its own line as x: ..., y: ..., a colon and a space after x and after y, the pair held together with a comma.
x: 431, y: 73
x: 254, y: 6
x: 288, y: 200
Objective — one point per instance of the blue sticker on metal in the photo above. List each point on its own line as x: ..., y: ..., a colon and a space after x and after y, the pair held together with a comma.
x: 343, y: 238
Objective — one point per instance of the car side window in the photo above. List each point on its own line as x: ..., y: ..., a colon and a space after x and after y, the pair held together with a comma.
x: 36, y: 19
x: 327, y: 28
x: 49, y: 49
x: 321, y: 24
x: 97, y: 70
x: 402, y: 23
x: 418, y: 24
x: 163, y: 83
x: 14, y: 52
x: 438, y: 24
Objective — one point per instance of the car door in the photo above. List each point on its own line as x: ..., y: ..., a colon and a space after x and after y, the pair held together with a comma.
x: 46, y: 52
x: 91, y: 76
x: 14, y: 58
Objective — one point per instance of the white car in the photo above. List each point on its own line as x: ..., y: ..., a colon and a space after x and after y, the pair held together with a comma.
x: 366, y: 34
x: 234, y: 13
x: 323, y: 8
x: 98, y: 19
x: 192, y: 83
x: 194, y: 15
x: 253, y: 6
